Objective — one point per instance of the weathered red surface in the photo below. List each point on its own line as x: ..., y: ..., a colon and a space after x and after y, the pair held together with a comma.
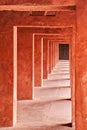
x: 25, y: 64
x: 81, y: 66
x: 38, y: 61
x: 56, y: 53
x: 38, y: 2
x: 50, y: 56
x: 45, y: 58
x: 7, y: 84
x: 15, y: 18
x: 72, y: 73
x: 53, y: 54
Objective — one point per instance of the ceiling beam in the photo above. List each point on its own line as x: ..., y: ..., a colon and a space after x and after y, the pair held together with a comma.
x: 36, y: 8
x: 38, y: 2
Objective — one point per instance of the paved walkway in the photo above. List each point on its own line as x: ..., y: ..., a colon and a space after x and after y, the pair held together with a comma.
x: 51, y: 107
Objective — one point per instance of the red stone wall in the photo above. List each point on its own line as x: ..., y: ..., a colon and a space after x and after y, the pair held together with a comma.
x: 11, y: 18
x: 25, y: 64
x: 50, y: 55
x: 38, y: 61
x: 56, y: 52
x: 7, y: 89
x: 38, y: 2
x: 45, y: 58
x: 72, y: 71
x: 81, y: 66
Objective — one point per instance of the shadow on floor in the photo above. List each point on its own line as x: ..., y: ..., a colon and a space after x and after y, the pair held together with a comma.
x: 54, y: 80
x: 39, y: 103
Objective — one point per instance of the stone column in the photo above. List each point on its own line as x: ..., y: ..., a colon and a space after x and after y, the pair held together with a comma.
x: 38, y: 61
x: 25, y: 64
x: 53, y: 54
x: 45, y: 58
x: 81, y: 66
x: 8, y: 82
x: 57, y: 52
x: 72, y: 74
x: 50, y: 56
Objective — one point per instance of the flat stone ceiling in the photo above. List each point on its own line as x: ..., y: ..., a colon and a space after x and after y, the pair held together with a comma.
x: 38, y: 2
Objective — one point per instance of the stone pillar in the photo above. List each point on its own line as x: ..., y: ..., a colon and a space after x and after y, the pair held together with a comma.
x: 8, y: 82
x: 53, y: 54
x: 45, y: 58
x: 38, y: 61
x: 50, y: 56
x: 81, y: 66
x: 72, y: 74
x: 57, y: 52
x: 25, y: 64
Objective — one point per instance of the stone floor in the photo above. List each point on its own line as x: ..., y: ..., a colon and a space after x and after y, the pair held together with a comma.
x: 51, y: 107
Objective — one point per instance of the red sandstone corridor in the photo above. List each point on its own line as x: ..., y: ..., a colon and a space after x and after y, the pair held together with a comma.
x: 32, y: 33
x: 51, y: 107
